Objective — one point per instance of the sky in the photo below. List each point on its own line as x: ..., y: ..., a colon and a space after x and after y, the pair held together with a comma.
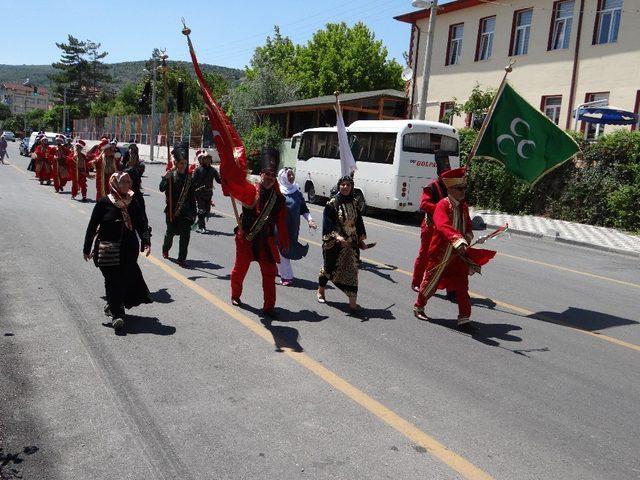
x: 223, y: 32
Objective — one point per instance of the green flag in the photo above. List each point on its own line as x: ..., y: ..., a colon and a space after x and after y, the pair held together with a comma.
x: 523, y: 139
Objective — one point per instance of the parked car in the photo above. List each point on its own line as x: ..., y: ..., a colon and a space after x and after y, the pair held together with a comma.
x: 9, y: 136
x: 51, y: 136
x: 24, y: 147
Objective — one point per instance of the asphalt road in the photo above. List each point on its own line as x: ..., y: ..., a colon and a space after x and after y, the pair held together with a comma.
x: 197, y: 389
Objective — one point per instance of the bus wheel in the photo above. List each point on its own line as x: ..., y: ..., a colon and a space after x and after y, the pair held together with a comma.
x: 311, y: 193
x: 359, y: 198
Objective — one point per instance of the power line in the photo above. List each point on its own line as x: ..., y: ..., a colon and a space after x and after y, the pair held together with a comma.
x: 228, y: 54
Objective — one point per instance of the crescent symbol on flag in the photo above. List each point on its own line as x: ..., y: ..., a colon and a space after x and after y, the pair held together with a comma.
x: 514, y: 124
x: 521, y: 146
x: 502, y: 138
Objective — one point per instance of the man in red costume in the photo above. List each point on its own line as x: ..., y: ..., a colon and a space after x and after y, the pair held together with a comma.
x: 79, y: 171
x: 255, y: 236
x: 105, y: 166
x: 431, y: 195
x: 61, y: 157
x: 451, y: 237
x: 43, y: 158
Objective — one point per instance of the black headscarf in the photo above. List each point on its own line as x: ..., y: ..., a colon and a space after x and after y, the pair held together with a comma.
x: 345, y: 198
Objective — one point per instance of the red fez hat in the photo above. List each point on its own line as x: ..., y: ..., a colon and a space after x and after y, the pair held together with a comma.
x: 457, y: 176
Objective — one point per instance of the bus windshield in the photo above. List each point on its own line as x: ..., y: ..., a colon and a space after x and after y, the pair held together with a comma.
x: 431, y: 143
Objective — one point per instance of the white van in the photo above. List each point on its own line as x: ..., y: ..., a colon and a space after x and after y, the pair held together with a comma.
x: 289, y: 151
x: 51, y: 136
x: 395, y: 160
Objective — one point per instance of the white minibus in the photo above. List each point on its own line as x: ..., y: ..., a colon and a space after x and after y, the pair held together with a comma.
x: 395, y: 160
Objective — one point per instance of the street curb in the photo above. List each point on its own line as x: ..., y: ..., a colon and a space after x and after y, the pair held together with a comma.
x: 567, y: 241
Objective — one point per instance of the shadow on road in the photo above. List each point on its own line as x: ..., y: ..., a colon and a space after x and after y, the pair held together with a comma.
x: 489, y: 334
x: 365, y: 314
x: 378, y: 270
x: 9, y: 462
x: 583, y: 319
x: 217, y: 232
x: 284, y: 337
x: 161, y: 296
x: 288, y: 315
x: 135, y: 324
x: 201, y: 265
x: 306, y: 284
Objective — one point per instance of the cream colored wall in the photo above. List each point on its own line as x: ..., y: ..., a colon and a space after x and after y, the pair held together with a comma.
x: 611, y: 67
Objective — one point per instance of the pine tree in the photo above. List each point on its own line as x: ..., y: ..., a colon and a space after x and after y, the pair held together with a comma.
x: 80, y: 72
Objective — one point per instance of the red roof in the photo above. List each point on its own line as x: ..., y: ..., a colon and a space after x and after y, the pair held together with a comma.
x: 18, y: 87
x: 413, y: 17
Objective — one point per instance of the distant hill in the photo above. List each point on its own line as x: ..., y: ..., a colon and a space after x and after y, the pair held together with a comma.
x: 123, y: 72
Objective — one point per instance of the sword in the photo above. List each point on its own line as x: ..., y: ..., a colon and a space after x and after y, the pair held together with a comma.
x: 495, y: 233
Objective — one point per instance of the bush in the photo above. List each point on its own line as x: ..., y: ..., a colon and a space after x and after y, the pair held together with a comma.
x: 259, y: 136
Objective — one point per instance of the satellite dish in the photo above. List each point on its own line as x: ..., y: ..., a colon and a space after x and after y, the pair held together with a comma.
x: 407, y: 74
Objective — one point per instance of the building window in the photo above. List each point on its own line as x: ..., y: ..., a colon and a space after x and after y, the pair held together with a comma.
x: 521, y: 31
x: 446, y: 112
x: 592, y: 130
x: 550, y: 106
x: 484, y: 46
x: 561, y: 25
x: 607, y: 21
x: 454, y: 47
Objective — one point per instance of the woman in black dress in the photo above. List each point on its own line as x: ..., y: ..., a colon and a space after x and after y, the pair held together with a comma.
x: 116, y: 219
x: 343, y: 234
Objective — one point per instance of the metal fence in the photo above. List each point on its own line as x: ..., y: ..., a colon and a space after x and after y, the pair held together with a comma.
x: 190, y: 127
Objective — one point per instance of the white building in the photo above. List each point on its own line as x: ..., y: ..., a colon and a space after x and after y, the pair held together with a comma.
x: 567, y: 52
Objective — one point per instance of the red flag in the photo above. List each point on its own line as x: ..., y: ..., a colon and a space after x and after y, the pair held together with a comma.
x: 479, y: 256
x: 233, y: 158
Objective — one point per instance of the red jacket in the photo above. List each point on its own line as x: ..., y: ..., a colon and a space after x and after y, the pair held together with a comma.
x: 452, y: 226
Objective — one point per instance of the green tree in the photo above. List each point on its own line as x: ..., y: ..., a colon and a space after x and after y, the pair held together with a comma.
x: 256, y: 138
x: 477, y: 106
x: 99, y: 72
x: 80, y: 73
x: 348, y: 59
x: 278, y: 53
x: 266, y: 87
x: 5, y: 111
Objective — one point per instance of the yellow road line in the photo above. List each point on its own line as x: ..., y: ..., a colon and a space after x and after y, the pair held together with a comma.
x: 578, y: 272
x: 513, y: 308
x: 404, y: 427
x: 515, y: 257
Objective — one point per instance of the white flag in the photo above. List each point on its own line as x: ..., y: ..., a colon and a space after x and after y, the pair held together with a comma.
x: 347, y: 162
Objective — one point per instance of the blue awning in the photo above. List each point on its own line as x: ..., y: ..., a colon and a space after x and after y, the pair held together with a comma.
x: 607, y: 116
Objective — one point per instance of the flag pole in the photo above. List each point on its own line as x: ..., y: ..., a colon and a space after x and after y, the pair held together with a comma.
x: 166, y: 130
x: 507, y: 70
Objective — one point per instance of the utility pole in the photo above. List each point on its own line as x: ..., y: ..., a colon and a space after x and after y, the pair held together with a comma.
x: 153, y: 106
x: 426, y: 71
x: 64, y: 111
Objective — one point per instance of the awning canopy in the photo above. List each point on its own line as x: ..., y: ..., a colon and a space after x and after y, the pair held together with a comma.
x: 607, y: 116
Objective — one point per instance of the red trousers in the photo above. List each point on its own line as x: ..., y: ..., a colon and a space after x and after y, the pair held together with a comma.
x: 461, y: 287
x: 420, y: 264
x: 79, y: 183
x: 268, y: 269
x: 60, y: 174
